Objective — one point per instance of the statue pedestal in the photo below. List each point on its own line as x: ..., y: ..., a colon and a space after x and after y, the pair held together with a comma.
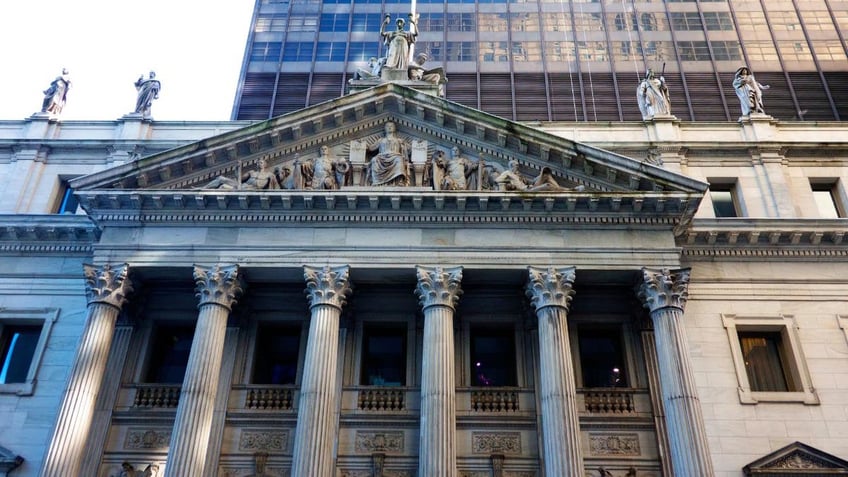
x: 758, y: 127
x: 394, y: 74
x: 663, y: 128
x: 355, y: 86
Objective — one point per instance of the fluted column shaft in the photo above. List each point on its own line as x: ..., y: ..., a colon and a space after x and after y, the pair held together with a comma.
x: 664, y: 293
x: 218, y: 288
x: 326, y: 289
x: 438, y: 291
x: 550, y: 292
x: 106, y: 289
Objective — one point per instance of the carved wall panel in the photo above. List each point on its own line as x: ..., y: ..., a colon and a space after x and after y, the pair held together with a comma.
x: 367, y: 442
x: 263, y: 440
x: 625, y: 445
x: 148, y: 439
x: 496, y: 442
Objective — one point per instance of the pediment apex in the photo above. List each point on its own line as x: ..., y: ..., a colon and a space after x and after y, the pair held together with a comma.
x: 797, y: 459
x: 431, y: 124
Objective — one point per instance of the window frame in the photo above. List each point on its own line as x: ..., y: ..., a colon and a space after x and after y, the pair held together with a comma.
x: 45, y: 317
x: 731, y: 186
x: 792, y: 356
x: 403, y: 328
x: 497, y: 327
x: 255, y: 331
x: 631, y: 373
x: 837, y: 195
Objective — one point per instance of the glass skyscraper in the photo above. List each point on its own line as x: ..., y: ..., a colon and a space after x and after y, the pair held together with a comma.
x: 565, y: 60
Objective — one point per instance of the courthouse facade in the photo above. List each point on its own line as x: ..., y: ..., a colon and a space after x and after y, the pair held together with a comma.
x: 394, y: 283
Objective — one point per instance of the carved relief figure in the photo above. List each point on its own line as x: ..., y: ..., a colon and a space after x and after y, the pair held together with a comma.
x: 325, y: 171
x: 511, y: 179
x: 128, y: 470
x: 148, y: 90
x: 56, y: 94
x: 261, y: 179
x: 456, y: 171
x: 390, y: 167
x: 749, y: 91
x: 399, y: 42
x: 652, y: 95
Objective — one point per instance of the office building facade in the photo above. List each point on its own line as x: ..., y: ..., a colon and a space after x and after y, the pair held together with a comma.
x: 561, y: 60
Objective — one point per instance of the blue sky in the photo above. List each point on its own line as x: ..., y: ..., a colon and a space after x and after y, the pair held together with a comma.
x: 195, y: 47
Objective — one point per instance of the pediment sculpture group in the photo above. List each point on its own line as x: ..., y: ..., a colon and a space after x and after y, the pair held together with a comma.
x: 388, y: 161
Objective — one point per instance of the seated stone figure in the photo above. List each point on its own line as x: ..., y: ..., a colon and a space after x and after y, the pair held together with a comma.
x: 390, y: 167
x: 261, y: 179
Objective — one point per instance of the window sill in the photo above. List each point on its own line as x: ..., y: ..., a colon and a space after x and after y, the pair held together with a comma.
x: 19, y: 389
x: 753, y: 397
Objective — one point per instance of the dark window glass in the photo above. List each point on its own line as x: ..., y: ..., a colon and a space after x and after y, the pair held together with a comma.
x: 384, y: 356
x: 602, y: 358
x: 298, y: 51
x: 334, y: 22
x: 493, y: 357
x: 169, y: 354
x: 762, y: 353
x: 362, y: 50
x: 70, y: 203
x: 330, y: 51
x: 17, y: 347
x: 366, y: 22
x: 265, y: 51
x: 723, y: 203
x: 277, y: 351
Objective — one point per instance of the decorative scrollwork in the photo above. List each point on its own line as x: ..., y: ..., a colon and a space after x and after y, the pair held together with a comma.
x: 107, y: 284
x: 550, y: 286
x: 663, y: 288
x: 327, y: 285
x: 219, y: 285
x: 438, y: 286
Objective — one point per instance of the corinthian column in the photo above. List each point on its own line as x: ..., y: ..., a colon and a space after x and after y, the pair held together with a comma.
x: 106, y: 289
x: 664, y: 293
x: 550, y: 294
x: 218, y: 288
x: 438, y: 292
x: 327, y: 289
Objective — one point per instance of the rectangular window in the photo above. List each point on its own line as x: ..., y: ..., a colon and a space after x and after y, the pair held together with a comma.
x: 768, y: 359
x: 718, y: 21
x: 383, y: 356
x: 524, y: 21
x: 461, y: 22
x: 726, y: 50
x: 492, y: 356
x: 494, y: 51
x: 556, y: 22
x: 761, y: 351
x: 825, y: 195
x: 277, y: 353
x: 334, y: 22
x: 366, y: 22
x: 169, y: 353
x: 693, y: 50
x: 298, y: 51
x: 361, y: 51
x: 431, y: 21
x: 723, y: 195
x: 602, y: 357
x: 68, y: 202
x: 17, y: 347
x: 330, y: 51
x: 276, y: 22
x: 23, y: 340
x: 461, y: 50
x: 266, y: 51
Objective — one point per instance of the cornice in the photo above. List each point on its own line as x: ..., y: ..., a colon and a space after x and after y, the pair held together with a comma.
x: 387, y: 206
x: 46, y: 234
x: 756, y: 239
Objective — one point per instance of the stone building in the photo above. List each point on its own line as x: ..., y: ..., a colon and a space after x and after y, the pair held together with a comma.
x: 483, y: 297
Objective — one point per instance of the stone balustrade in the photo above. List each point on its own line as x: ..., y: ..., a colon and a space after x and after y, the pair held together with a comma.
x: 382, y: 399
x: 270, y: 398
x: 156, y: 395
x: 609, y: 401
x: 495, y: 400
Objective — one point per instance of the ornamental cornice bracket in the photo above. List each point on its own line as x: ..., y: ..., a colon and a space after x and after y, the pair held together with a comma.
x: 327, y: 285
x: 107, y: 284
x: 664, y: 288
x: 218, y: 285
x: 550, y: 286
x: 438, y: 286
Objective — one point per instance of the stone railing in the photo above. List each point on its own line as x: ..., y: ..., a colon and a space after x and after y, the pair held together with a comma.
x: 156, y: 395
x: 380, y: 399
x: 494, y: 400
x: 609, y: 401
x: 271, y: 398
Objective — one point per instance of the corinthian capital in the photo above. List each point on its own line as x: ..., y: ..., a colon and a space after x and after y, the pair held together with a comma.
x: 438, y: 286
x: 327, y: 286
x: 218, y: 285
x: 550, y: 286
x: 662, y: 288
x: 107, y: 285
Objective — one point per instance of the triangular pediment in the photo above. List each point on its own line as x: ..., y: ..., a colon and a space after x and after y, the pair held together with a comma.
x: 505, y: 163
x: 797, y: 459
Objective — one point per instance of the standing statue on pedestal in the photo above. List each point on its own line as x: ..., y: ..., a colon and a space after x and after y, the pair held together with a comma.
x: 652, y: 95
x: 325, y: 171
x: 749, y: 91
x: 399, y: 42
x: 56, y: 94
x: 148, y: 90
x: 390, y: 167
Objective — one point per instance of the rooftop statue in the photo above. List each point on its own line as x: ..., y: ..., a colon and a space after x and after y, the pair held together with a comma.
x: 399, y: 42
x: 749, y: 91
x: 652, y: 95
x: 371, y: 71
x: 417, y: 72
x: 148, y: 90
x: 261, y: 179
x: 390, y: 167
x: 56, y: 94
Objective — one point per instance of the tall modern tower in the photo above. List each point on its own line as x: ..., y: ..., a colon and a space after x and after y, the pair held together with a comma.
x: 561, y: 60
